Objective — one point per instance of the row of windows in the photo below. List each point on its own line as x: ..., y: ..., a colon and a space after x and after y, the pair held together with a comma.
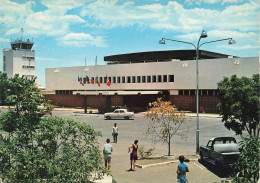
x: 27, y: 58
x: 201, y: 92
x: 181, y: 92
x: 130, y: 79
x: 28, y: 67
x: 63, y: 92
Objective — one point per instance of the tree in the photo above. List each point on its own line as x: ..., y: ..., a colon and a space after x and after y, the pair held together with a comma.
x: 248, y: 161
x: 3, y: 87
x: 164, y: 122
x: 33, y: 149
x: 239, y: 104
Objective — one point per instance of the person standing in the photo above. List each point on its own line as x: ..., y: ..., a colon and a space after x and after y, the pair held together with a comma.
x: 107, y: 151
x: 115, y: 132
x: 181, y: 170
x: 133, y: 155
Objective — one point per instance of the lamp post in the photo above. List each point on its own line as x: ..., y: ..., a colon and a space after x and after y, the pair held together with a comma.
x: 203, y: 35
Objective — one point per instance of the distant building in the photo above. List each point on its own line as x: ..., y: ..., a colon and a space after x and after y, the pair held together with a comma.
x: 140, y: 78
x: 20, y: 59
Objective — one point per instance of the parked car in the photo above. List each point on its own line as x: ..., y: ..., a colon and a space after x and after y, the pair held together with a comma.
x: 119, y: 114
x: 220, y: 151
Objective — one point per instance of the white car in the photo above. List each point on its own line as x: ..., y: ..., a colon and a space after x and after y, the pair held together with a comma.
x: 119, y: 114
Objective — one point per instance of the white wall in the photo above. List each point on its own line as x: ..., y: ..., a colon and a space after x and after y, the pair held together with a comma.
x: 211, y: 71
x: 15, y: 63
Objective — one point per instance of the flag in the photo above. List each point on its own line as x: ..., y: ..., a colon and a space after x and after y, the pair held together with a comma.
x: 81, y: 83
x: 108, y: 82
x: 91, y: 80
x: 78, y: 79
x: 98, y: 82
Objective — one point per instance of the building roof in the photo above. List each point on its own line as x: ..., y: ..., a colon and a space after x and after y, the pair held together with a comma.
x: 158, y: 56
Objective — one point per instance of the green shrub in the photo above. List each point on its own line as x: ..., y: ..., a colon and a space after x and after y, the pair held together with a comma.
x: 248, y: 161
x: 62, y: 151
x: 144, y: 153
x: 35, y: 150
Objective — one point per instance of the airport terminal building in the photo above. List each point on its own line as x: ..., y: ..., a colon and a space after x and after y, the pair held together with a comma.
x: 135, y: 79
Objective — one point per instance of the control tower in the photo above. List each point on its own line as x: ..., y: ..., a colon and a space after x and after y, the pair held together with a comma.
x: 20, y: 59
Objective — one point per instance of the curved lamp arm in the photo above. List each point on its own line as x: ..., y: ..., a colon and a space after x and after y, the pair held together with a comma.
x: 163, y: 42
x: 231, y: 41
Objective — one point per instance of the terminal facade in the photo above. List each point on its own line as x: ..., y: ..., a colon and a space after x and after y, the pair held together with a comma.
x: 134, y: 80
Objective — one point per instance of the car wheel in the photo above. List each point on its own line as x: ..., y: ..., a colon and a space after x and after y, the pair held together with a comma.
x: 108, y: 117
x: 126, y: 117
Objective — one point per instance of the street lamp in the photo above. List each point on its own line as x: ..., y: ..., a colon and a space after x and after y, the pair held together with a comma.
x: 203, y: 35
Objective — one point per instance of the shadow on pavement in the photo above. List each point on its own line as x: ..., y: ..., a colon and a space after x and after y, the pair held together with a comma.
x: 221, y: 172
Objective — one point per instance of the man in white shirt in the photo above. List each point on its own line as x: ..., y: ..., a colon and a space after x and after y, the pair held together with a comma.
x: 115, y: 132
x: 107, y: 151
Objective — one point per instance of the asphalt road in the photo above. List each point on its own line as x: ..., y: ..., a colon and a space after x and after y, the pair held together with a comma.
x: 129, y: 130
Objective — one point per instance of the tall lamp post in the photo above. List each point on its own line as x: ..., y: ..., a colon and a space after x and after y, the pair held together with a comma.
x: 203, y: 35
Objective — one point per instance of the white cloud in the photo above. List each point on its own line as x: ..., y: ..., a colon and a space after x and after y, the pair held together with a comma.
x: 172, y: 16
x: 54, y: 21
x: 61, y: 15
x: 82, y: 39
x: 211, y: 1
x: 243, y: 40
x: 63, y: 4
x: 239, y: 47
x: 3, y: 40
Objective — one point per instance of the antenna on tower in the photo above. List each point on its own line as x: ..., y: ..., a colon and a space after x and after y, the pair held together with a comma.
x: 85, y: 61
x: 22, y: 34
x: 96, y: 61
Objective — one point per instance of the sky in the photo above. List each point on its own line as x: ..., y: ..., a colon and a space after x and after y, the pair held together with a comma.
x: 68, y: 32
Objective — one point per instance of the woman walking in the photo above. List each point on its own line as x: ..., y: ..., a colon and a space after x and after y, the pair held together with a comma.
x: 133, y: 154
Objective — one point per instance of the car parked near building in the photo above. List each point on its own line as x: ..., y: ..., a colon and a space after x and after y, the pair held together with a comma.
x: 119, y: 114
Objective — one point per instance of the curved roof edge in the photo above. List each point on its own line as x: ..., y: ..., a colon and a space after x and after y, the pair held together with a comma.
x: 168, y: 55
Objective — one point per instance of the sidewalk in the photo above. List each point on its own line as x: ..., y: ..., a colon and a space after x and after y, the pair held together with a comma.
x: 165, y: 173
x: 209, y: 115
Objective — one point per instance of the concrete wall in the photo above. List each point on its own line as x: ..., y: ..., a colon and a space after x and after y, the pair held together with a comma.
x: 211, y: 71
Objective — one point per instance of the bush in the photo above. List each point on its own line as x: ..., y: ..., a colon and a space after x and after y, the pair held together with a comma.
x: 248, y: 161
x: 33, y: 149
x: 144, y: 153
x: 62, y: 151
